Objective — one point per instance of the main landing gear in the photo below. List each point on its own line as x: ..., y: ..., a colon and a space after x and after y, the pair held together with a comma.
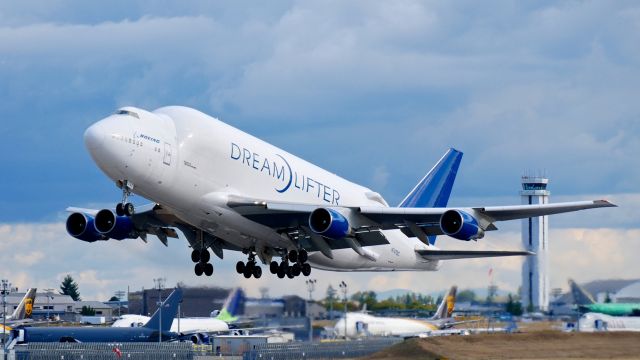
x: 250, y: 268
x: 298, y: 259
x: 201, y: 258
x: 124, y: 207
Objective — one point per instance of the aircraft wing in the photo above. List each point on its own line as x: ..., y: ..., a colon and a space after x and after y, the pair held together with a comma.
x: 411, y: 220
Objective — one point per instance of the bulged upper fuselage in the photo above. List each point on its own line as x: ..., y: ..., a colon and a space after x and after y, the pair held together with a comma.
x: 191, y: 163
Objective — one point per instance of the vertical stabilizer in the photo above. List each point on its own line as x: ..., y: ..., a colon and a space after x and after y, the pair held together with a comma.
x: 25, y: 308
x: 448, y: 303
x: 580, y: 295
x: 233, y: 306
x: 169, y: 311
x: 434, y: 189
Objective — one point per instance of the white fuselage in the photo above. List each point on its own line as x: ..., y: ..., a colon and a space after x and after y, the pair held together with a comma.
x: 183, y: 325
x: 192, y: 163
x: 361, y: 324
x: 591, y: 322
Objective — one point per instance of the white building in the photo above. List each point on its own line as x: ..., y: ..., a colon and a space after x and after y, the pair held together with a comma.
x: 535, y: 236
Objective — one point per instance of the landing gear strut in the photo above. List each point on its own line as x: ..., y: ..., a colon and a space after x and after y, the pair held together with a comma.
x: 250, y: 268
x: 298, y: 261
x: 125, y: 208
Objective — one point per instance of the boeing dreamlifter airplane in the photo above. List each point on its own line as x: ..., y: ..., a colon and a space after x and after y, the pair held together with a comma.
x: 227, y: 190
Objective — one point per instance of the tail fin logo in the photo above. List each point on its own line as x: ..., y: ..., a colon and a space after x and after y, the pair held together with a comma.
x: 451, y: 302
x: 28, y: 307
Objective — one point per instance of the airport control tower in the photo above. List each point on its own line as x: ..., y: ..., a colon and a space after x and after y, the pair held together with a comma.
x: 535, y: 236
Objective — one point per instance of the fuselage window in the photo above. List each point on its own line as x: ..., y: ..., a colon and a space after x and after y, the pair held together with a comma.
x: 127, y: 112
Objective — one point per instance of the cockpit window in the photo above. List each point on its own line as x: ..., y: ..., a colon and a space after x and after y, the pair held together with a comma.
x: 127, y: 112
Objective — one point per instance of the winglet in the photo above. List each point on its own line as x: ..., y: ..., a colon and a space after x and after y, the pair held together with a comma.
x: 169, y: 311
x: 580, y: 295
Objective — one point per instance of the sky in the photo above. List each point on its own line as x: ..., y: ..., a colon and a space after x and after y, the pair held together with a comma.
x: 375, y: 91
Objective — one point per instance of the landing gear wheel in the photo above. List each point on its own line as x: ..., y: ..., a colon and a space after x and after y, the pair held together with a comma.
x: 303, y: 256
x: 248, y: 271
x: 281, y: 272
x: 273, y: 267
x: 240, y: 267
x: 306, y: 269
x: 257, y: 272
x: 129, y: 209
x: 199, y: 269
x: 119, y: 209
x: 208, y: 269
x: 290, y: 272
x: 293, y: 256
x: 205, y: 256
x: 195, y: 256
x: 295, y: 269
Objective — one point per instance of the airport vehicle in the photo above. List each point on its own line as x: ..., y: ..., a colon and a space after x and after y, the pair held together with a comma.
x: 22, y: 313
x: 196, y: 325
x: 227, y: 190
x: 586, y: 303
x: 157, y: 326
x: 363, y: 324
x: 592, y: 322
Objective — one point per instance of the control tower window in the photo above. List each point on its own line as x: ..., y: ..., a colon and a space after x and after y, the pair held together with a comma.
x: 127, y: 112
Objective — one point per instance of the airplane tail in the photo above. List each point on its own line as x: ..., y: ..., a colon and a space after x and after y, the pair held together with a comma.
x: 445, y: 309
x: 169, y: 310
x: 233, y: 306
x: 580, y: 295
x: 25, y: 307
x: 434, y: 189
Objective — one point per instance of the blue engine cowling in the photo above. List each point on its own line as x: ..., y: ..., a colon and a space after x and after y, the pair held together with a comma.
x: 80, y: 226
x: 116, y: 227
x: 460, y: 225
x: 329, y: 223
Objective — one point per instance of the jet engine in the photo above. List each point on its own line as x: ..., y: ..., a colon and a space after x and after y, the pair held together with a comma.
x: 116, y: 227
x: 80, y: 226
x: 329, y: 223
x: 460, y: 225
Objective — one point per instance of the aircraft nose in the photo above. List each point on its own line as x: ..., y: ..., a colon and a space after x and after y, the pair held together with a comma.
x: 94, y: 136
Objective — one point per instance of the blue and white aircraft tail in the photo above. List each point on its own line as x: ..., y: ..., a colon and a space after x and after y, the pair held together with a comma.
x: 226, y: 190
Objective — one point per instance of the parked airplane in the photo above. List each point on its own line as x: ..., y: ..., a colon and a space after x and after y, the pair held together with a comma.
x: 21, y: 314
x: 227, y: 190
x: 586, y: 303
x: 591, y: 322
x: 196, y: 325
x: 160, y: 322
x: 363, y: 324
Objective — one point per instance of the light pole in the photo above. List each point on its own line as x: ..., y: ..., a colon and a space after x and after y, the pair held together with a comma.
x: 311, y: 285
x: 159, y: 284
x: 49, y: 297
x: 343, y: 288
x: 6, y: 289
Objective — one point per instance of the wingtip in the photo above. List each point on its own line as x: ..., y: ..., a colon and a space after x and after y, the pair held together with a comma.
x: 604, y: 203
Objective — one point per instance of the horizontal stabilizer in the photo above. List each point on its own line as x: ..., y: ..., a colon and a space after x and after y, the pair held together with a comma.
x: 466, y: 254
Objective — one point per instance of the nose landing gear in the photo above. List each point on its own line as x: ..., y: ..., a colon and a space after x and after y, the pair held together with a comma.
x: 125, y: 208
x: 299, y: 265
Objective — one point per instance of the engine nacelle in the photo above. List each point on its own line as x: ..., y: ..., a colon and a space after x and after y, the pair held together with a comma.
x: 81, y: 226
x: 460, y: 225
x: 116, y: 227
x: 329, y: 223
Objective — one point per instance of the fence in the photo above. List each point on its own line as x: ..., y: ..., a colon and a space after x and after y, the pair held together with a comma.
x: 99, y: 351
x: 324, y: 350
